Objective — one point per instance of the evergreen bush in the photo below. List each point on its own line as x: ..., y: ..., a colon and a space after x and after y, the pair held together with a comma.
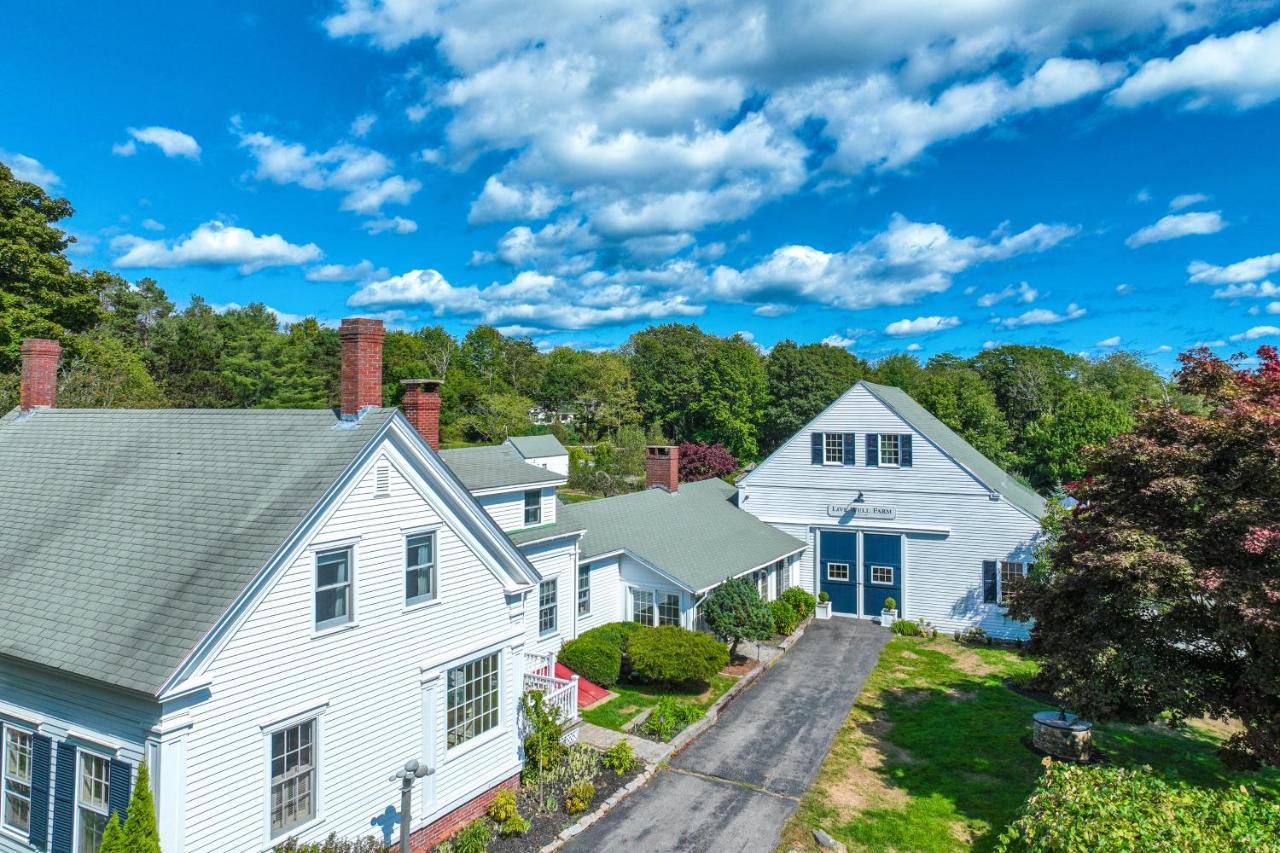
x: 801, y: 601
x: 735, y: 612
x: 618, y: 634
x: 594, y: 658
x: 672, y: 655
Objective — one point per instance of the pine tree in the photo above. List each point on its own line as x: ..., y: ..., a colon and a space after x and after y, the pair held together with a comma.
x: 140, y: 833
x: 113, y: 837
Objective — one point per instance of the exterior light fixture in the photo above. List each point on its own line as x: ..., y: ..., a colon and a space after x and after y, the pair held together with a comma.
x: 412, y: 770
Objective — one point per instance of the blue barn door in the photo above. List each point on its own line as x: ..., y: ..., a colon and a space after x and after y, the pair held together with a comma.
x: 837, y: 570
x: 881, y: 572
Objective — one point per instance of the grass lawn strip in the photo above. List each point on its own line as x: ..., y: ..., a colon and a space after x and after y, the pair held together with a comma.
x: 634, y: 698
x: 932, y: 757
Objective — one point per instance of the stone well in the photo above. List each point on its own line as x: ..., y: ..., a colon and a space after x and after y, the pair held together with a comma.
x: 1063, y: 735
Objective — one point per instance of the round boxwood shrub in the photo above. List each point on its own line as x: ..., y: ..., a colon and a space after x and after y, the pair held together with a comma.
x: 616, y: 634
x: 672, y: 655
x: 594, y: 658
x: 802, y: 602
x: 785, y: 618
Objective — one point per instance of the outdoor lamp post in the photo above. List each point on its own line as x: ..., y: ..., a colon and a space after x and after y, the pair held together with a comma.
x: 412, y: 770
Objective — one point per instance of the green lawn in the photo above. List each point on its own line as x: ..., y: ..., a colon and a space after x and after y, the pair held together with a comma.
x: 634, y: 698
x: 574, y: 497
x: 932, y: 756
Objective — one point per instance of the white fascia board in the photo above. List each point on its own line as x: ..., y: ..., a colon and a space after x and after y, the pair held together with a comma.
x: 577, y: 534
x: 512, y: 489
x: 765, y: 564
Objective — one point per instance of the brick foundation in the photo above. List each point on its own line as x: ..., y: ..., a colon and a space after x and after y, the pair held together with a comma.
x: 443, y: 827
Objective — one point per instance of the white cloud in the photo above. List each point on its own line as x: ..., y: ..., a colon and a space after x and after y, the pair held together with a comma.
x: 152, y: 225
x: 1113, y: 341
x: 394, y: 224
x: 1249, y: 290
x: 283, y: 317
x: 1177, y: 225
x: 497, y: 202
x: 1242, y: 69
x: 362, y: 271
x: 214, y: 244
x: 839, y: 341
x: 362, y: 124
x: 1142, y: 196
x: 1257, y: 332
x: 1162, y: 348
x: 1187, y: 200
x: 29, y: 169
x: 1250, y: 269
x: 1209, y: 344
x: 921, y: 326
x: 1023, y: 292
x: 774, y: 309
x: 1124, y: 289
x: 1042, y: 317
x: 174, y: 143
x: 914, y: 347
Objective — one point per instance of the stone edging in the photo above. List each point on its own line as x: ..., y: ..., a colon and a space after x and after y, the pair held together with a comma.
x: 679, y: 742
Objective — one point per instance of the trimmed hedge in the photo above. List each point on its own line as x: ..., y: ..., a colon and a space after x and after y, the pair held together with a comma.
x: 785, y: 617
x: 594, y: 658
x: 616, y: 634
x: 1086, y: 808
x: 800, y: 601
x: 672, y: 655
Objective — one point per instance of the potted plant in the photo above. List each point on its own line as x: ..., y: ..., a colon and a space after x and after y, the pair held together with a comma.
x: 824, y: 606
x: 889, y: 614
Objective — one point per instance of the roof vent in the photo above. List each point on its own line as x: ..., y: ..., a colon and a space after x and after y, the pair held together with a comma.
x: 382, y: 481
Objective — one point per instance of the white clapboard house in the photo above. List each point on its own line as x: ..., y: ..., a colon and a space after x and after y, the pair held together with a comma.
x: 277, y: 609
x: 894, y: 504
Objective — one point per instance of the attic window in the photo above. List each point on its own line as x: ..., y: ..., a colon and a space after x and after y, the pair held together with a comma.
x: 382, y: 481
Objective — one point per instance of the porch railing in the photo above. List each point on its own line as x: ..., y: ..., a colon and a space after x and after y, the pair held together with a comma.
x: 561, y: 693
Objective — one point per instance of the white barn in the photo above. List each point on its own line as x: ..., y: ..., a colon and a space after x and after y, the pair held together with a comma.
x: 894, y: 504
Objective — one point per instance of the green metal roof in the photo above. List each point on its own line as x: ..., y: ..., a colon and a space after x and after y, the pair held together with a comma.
x: 989, y: 473
x: 125, y: 534
x: 495, y: 466
x: 697, y: 535
x: 537, y: 445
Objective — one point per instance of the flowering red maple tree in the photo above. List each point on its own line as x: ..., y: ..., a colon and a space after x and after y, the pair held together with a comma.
x: 1160, y: 591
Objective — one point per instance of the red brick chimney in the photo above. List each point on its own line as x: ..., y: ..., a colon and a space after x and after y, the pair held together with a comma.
x: 662, y: 467
x: 422, y: 408
x: 39, y: 373
x: 361, y: 364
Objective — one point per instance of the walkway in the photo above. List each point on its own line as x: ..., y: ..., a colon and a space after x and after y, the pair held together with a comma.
x: 734, y: 787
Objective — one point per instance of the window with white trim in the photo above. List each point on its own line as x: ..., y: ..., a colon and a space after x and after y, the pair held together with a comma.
x: 547, y: 606
x: 882, y: 575
x: 837, y: 571
x: 471, y: 700
x: 668, y: 608
x: 420, y: 568
x: 532, y: 508
x: 1011, y: 574
x: 584, y: 589
x: 92, y: 798
x: 890, y: 449
x: 833, y: 448
x: 293, y: 776
x: 17, y: 780
x: 760, y: 578
x: 642, y: 606
x: 334, y: 592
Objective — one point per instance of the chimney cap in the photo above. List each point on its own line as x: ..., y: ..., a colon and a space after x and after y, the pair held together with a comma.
x: 660, y: 449
x: 353, y: 326
x: 425, y: 384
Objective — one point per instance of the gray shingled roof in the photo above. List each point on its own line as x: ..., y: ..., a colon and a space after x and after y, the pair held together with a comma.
x: 495, y: 466
x: 988, y: 472
x: 125, y: 534
x: 537, y: 445
x: 696, y: 535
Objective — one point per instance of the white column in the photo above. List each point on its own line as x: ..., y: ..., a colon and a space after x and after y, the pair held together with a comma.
x: 171, y: 782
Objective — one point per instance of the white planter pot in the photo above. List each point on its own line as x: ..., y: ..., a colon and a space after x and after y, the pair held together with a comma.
x: 824, y: 610
x: 888, y: 617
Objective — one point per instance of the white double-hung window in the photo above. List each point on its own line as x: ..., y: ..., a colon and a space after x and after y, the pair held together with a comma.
x: 584, y: 589
x: 335, y: 596
x: 547, y: 610
x: 472, y: 700
x: 420, y: 568
x: 890, y: 449
x: 532, y: 508
x: 833, y: 448
x: 17, y: 780
x: 92, y: 798
x: 293, y: 776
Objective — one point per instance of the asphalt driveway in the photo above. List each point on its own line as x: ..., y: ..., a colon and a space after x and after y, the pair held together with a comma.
x: 735, y: 786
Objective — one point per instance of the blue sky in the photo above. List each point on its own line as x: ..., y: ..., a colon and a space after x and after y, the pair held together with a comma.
x: 887, y: 177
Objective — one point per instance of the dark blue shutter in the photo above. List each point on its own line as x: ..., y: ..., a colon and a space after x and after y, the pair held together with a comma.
x: 873, y: 450
x: 118, y: 789
x: 849, y: 448
x: 989, y: 581
x: 41, y: 753
x: 815, y: 448
x: 64, y: 798
x: 904, y: 451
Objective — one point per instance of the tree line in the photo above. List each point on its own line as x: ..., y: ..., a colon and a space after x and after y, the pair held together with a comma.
x: 126, y: 344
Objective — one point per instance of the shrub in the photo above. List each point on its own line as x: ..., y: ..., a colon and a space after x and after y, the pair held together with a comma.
x: 620, y: 758
x: 594, y: 658
x: 734, y: 611
x: 504, y: 812
x: 801, y: 601
x: 785, y: 617
x: 890, y: 603
x: 578, y: 797
x: 672, y: 655
x: 670, y: 717
x: 906, y: 628
x: 474, y: 837
x: 704, y: 461
x: 1085, y: 808
x: 332, y: 844
x: 824, y: 596
x: 618, y: 634
x: 543, y: 748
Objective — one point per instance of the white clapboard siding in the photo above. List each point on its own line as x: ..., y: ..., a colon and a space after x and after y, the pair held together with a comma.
x: 950, y: 521
x: 507, y: 508
x: 606, y: 595
x: 554, y: 560
x: 370, y: 676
